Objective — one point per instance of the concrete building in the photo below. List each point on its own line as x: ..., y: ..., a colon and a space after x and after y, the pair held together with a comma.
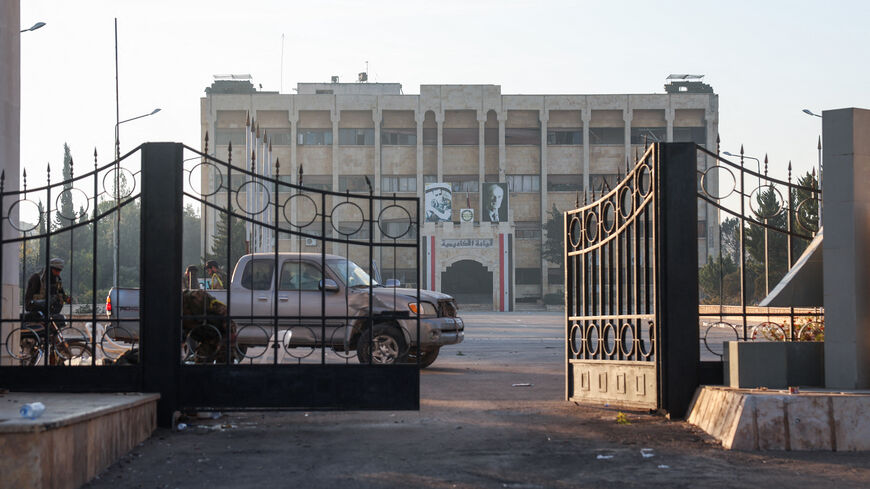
x: 527, y: 153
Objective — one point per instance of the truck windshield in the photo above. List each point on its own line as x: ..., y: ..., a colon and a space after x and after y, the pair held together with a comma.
x: 350, y: 273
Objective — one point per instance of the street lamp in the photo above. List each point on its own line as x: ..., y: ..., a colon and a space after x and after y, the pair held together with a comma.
x: 810, y: 112
x: 757, y: 163
x: 34, y: 27
x: 117, y: 134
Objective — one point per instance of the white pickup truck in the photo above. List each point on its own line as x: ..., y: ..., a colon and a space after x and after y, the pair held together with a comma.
x: 388, y: 335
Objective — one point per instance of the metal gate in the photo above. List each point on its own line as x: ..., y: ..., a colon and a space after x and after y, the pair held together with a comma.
x: 631, y: 287
x: 239, y: 356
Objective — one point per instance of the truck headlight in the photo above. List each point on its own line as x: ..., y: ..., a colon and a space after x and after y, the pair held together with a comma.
x: 423, y: 308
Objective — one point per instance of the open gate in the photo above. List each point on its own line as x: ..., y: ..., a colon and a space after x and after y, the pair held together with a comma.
x: 631, y: 287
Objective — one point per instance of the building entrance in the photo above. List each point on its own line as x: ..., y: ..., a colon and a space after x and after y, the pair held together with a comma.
x: 469, y: 282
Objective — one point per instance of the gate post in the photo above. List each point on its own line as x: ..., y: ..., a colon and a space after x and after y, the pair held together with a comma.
x: 677, y: 269
x: 160, y: 268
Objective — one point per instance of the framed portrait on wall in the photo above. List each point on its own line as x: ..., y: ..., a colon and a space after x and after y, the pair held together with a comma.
x: 495, y: 202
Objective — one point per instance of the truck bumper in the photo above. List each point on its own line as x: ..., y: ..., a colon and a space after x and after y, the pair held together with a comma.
x: 436, y: 332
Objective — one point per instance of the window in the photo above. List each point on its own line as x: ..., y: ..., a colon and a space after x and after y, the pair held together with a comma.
x: 399, y: 137
x: 353, y: 183
x: 527, y: 230
x: 429, y: 179
x: 524, y: 183
x: 430, y: 136
x: 522, y: 135
x: 555, y: 276
x: 648, y: 135
x: 224, y: 136
x: 463, y: 183
x: 258, y: 275
x: 571, y: 182
x: 299, y: 276
x: 564, y: 136
x: 278, y: 136
x: 528, y: 276
x: 598, y: 181
x: 314, y: 137
x: 319, y: 182
x: 607, y: 135
x: 356, y: 137
x: 396, y: 229
x: 460, y: 136
x: 399, y: 184
x: 490, y: 136
x: 697, y: 135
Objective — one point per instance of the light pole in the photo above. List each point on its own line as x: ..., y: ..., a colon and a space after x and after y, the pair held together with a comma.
x: 757, y: 163
x: 34, y: 27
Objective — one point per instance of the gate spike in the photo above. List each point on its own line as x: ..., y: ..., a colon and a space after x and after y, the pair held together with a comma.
x: 789, y: 170
x: 369, y: 184
x: 95, y: 157
x: 820, y: 144
x: 277, y: 166
x: 25, y: 179
x: 230, y: 153
x: 813, y: 181
x: 765, y: 164
x: 577, y: 201
x: 48, y: 172
x: 2, y: 180
x: 205, y: 150
x: 71, y: 167
x: 741, y: 150
x: 300, y: 174
x: 253, y: 161
x: 247, y: 118
x: 718, y: 141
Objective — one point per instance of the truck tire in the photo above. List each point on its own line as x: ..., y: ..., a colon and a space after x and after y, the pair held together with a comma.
x: 388, y: 342
x: 427, y: 357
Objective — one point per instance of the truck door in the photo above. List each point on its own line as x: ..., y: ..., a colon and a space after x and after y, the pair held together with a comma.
x: 255, y: 294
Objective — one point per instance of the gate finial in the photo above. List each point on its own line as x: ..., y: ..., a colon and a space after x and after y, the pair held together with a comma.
x: 789, y: 170
x: 820, y: 144
x: 369, y: 184
x: 765, y: 164
x: 300, y: 174
x: 718, y: 141
x: 253, y: 161
x: 247, y: 118
x: 95, y: 157
x: 230, y: 153
x: 577, y: 201
x: 205, y: 150
x: 277, y: 167
x: 71, y: 167
x: 25, y: 180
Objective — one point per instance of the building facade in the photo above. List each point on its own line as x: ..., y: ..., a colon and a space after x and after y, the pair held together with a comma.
x: 489, y: 168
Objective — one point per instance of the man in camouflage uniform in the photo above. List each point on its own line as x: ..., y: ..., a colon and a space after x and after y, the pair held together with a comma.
x: 206, y: 327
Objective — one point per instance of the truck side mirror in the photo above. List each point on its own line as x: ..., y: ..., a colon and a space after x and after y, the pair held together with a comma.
x: 391, y: 282
x: 328, y: 285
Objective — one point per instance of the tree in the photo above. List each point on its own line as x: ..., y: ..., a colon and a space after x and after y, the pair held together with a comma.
x: 554, y: 246
x: 222, y: 242
x: 191, y: 249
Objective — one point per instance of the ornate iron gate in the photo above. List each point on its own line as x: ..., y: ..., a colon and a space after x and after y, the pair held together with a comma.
x: 631, y: 287
x: 277, y: 369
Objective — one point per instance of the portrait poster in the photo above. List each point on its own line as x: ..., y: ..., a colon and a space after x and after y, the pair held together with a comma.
x: 495, y: 202
x: 438, y: 202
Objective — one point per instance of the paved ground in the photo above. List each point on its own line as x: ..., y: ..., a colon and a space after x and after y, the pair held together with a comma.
x: 474, y: 430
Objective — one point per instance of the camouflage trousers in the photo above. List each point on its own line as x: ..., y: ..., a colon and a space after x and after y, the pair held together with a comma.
x: 205, y: 328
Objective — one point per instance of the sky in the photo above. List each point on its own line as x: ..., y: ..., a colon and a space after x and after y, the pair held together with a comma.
x: 766, y: 60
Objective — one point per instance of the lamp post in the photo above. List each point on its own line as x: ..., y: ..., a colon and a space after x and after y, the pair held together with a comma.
x: 757, y: 162
x: 33, y: 27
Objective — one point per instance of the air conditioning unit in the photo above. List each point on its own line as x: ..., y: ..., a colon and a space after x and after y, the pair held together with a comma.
x: 310, y: 242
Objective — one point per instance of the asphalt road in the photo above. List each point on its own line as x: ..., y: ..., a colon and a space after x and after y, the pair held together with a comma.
x: 492, y: 416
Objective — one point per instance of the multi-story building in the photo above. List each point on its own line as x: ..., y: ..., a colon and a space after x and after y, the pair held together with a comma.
x: 471, y: 146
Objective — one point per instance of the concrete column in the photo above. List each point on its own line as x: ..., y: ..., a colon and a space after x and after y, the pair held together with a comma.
x: 419, y: 117
x: 335, y: 116
x: 294, y: 169
x: 544, y: 117
x: 10, y: 130
x: 846, y: 252
x: 481, y: 157
x: 439, y: 122
x: 502, y: 156
x: 627, y: 116
x: 669, y: 121
x: 377, y: 117
x: 587, y: 119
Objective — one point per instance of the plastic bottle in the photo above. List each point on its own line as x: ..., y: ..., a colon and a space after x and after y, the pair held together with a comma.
x: 32, y: 410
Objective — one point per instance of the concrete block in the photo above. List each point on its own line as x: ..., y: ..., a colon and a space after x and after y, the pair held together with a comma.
x: 809, y: 426
x: 775, y: 365
x: 851, y: 426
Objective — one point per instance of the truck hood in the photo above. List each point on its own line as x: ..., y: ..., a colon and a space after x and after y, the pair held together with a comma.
x: 387, y: 299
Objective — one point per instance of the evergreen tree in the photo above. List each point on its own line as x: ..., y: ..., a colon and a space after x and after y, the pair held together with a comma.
x: 554, y: 246
x: 222, y: 241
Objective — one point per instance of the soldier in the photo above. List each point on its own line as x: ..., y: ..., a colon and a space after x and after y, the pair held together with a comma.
x: 37, y: 294
x: 206, y: 325
x: 214, y: 273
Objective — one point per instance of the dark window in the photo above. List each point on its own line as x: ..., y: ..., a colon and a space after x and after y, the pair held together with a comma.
x: 299, y: 276
x: 224, y: 136
x: 528, y: 276
x: 697, y: 135
x: 399, y: 184
x: 490, y: 136
x: 598, y: 181
x: 555, y: 276
x: 258, y: 275
x: 460, y: 136
x: 320, y: 91
x: 572, y: 182
x: 353, y: 183
x: 606, y: 135
x: 524, y: 183
x: 314, y: 137
x: 648, y: 135
x: 564, y: 136
x: 356, y: 137
x: 399, y: 137
x: 430, y: 136
x: 463, y: 183
x: 278, y: 136
x: 522, y: 135
x: 429, y: 179
x: 319, y: 182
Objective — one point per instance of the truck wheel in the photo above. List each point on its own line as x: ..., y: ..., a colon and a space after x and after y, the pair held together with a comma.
x: 387, y: 346
x: 427, y: 357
